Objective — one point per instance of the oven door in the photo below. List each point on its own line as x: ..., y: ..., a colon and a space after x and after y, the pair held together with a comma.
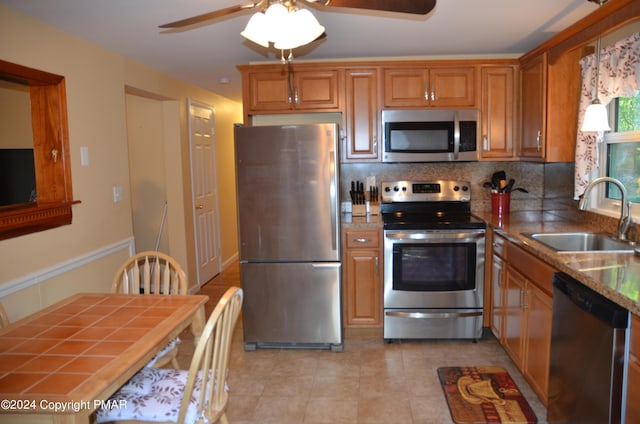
x: 434, y: 269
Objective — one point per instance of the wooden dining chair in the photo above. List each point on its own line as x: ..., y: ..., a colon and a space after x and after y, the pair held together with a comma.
x: 180, y: 396
x: 153, y: 272
x: 4, y: 318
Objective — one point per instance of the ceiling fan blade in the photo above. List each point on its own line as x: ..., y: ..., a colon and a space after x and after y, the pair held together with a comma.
x: 417, y: 7
x: 211, y: 15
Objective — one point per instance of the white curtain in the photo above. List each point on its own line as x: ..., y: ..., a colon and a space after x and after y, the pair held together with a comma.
x: 619, y: 76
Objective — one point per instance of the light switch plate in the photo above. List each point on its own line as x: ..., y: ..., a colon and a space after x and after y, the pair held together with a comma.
x: 117, y: 194
x: 84, y: 156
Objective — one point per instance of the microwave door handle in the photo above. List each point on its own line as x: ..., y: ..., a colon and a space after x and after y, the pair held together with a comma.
x: 456, y: 135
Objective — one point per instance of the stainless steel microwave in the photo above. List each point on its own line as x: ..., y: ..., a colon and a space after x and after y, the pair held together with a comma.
x: 430, y: 135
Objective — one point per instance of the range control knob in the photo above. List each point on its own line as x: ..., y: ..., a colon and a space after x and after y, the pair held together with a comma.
x: 465, y: 188
x: 395, y: 188
x: 387, y: 189
x: 456, y: 188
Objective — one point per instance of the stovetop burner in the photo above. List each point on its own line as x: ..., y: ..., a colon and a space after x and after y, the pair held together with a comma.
x: 441, y: 204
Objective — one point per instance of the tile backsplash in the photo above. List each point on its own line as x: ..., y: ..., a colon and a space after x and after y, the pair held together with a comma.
x: 530, y: 176
x: 550, y: 185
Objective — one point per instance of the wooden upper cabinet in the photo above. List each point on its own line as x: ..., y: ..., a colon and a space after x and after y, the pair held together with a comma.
x: 550, y: 93
x: 533, y: 75
x: 283, y: 89
x: 498, y: 111
x: 429, y: 87
x: 361, y: 116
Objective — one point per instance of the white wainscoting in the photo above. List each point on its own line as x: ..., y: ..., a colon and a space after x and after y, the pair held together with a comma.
x: 42, y: 275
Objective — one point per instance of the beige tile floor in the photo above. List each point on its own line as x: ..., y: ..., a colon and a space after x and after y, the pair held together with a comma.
x: 369, y: 382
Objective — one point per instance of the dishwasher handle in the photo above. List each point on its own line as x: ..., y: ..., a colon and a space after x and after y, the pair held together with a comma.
x: 610, y: 313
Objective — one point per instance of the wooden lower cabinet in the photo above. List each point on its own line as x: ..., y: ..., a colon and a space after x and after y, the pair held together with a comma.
x: 498, y: 258
x: 363, y: 282
x: 633, y: 376
x: 527, y: 312
x: 538, y: 340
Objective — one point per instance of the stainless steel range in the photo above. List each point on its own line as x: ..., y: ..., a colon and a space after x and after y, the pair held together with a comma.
x: 433, y: 261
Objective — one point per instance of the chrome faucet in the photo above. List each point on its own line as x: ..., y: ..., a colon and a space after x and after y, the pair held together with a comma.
x: 625, y: 207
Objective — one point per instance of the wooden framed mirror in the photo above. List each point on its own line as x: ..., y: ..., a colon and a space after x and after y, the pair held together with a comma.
x: 42, y: 97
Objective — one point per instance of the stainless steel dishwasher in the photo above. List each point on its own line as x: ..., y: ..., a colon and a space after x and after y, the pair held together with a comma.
x: 589, y: 347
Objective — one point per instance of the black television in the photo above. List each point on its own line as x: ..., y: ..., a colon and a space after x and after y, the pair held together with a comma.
x: 17, y: 176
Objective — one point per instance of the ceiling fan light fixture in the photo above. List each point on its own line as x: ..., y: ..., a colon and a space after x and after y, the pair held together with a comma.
x: 286, y: 28
x: 301, y: 28
x: 256, y: 30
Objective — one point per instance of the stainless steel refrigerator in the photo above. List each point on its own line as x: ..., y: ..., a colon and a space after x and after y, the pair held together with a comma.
x: 289, y: 230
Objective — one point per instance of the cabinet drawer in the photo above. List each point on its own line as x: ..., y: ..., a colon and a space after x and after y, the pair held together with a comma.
x: 359, y: 239
x: 534, y: 269
x: 498, y: 246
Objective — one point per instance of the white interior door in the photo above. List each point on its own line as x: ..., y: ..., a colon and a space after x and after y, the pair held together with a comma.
x: 205, y: 192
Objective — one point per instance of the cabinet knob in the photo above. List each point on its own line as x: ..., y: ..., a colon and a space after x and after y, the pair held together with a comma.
x: 362, y: 240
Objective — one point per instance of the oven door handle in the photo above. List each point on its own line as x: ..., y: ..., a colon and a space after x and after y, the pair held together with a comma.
x: 404, y: 314
x: 436, y: 236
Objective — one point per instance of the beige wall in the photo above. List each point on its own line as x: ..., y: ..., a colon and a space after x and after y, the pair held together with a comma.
x: 39, y: 268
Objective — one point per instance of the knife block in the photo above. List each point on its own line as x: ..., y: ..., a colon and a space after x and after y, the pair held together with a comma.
x: 374, y: 209
x: 358, y: 210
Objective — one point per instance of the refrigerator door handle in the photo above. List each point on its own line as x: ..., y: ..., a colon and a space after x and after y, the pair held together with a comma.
x: 333, y: 193
x: 326, y: 265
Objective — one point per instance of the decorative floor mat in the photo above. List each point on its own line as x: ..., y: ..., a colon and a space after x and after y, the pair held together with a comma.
x: 484, y: 395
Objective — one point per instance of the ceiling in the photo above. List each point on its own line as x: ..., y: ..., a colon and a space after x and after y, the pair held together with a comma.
x: 207, y: 55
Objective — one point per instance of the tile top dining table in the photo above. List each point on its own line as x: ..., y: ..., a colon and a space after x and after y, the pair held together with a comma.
x: 63, y: 362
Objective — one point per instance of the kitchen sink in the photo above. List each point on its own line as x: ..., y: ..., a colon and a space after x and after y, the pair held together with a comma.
x: 582, y: 242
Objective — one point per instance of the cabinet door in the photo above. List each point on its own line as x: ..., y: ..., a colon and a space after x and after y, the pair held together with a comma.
x: 514, y: 321
x: 363, y: 288
x: 316, y: 90
x: 361, y: 116
x: 537, y: 305
x: 497, y: 293
x: 497, y: 111
x: 406, y: 87
x: 269, y: 92
x: 279, y: 91
x: 533, y: 98
x: 363, y: 306
x: 452, y: 87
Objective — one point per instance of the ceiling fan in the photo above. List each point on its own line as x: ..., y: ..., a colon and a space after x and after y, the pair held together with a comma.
x: 417, y: 7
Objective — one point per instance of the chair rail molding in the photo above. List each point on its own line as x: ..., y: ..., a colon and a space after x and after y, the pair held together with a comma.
x: 42, y: 275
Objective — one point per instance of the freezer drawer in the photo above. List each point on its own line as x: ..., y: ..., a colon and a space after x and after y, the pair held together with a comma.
x: 291, y: 305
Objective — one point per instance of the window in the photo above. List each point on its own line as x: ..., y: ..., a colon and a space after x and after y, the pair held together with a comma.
x: 620, y: 154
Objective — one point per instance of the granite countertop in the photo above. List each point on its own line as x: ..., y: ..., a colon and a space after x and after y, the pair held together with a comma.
x: 614, y: 275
